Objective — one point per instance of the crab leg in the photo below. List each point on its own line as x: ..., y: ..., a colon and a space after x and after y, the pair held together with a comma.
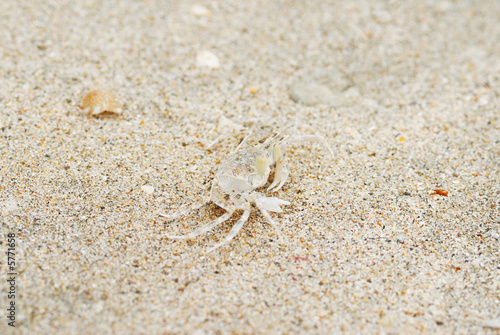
x: 195, y: 206
x: 271, y: 221
x: 205, y: 228
x: 236, y: 228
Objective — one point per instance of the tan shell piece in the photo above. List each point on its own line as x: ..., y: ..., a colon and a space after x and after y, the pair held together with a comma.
x: 101, y: 101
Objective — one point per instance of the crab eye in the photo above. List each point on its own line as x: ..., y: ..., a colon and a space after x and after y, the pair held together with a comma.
x: 261, y: 165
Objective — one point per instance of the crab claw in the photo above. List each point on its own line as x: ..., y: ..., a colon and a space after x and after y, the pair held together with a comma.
x: 271, y: 204
x: 280, y: 175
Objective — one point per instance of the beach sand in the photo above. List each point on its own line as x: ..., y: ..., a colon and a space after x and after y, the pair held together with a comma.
x: 398, y: 233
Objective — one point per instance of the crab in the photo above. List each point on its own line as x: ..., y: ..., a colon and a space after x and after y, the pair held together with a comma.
x: 238, y: 177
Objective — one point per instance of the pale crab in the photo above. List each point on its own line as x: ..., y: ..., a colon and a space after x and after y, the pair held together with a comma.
x: 240, y: 174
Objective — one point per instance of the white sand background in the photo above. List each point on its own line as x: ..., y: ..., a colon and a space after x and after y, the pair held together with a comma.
x: 406, y: 94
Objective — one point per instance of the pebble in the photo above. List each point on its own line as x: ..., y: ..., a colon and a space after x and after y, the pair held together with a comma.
x: 148, y: 189
x: 310, y: 93
x: 208, y: 59
x: 200, y: 11
x: 324, y: 86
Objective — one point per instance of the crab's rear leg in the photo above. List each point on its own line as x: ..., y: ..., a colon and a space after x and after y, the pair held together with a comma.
x: 206, y: 199
x: 205, y: 228
x: 271, y: 221
x: 264, y: 204
x: 236, y: 228
x: 183, y: 212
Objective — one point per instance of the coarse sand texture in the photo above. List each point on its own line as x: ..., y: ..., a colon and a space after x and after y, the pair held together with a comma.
x: 112, y: 112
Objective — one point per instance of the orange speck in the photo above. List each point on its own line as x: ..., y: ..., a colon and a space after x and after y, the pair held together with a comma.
x: 441, y: 192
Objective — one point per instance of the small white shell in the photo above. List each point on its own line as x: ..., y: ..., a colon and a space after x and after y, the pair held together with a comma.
x: 148, y: 189
x: 101, y: 101
x: 200, y: 11
x: 208, y: 59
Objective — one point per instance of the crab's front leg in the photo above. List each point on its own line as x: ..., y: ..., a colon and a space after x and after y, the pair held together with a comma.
x: 281, y: 171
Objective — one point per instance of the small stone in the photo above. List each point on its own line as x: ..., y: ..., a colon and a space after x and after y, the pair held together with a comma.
x: 200, y: 11
x: 310, y: 93
x: 483, y: 101
x: 208, y: 59
x: 101, y: 101
x: 443, y: 6
x: 444, y: 193
x: 401, y: 237
x: 148, y: 189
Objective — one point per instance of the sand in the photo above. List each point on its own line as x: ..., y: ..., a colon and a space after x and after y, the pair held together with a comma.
x: 406, y: 95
